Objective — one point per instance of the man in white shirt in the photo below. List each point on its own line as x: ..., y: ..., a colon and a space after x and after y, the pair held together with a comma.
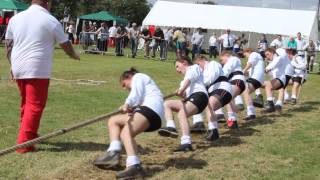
x: 301, y: 43
x: 277, y: 43
x: 197, y: 41
x: 213, y: 46
x: 30, y: 44
x: 228, y: 40
x: 112, y: 35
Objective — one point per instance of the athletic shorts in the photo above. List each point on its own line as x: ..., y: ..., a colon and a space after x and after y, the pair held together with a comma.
x: 255, y: 83
x: 222, y: 95
x: 299, y: 80
x: 240, y: 84
x: 181, y: 45
x: 287, y: 81
x: 153, y: 118
x: 282, y: 85
x: 200, y: 100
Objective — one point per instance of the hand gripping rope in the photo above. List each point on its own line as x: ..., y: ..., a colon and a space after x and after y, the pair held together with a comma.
x: 65, y: 130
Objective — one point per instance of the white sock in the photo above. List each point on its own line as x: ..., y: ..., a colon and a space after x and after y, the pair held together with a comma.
x: 232, y: 116
x: 213, y: 125
x: 258, y: 92
x: 251, y: 110
x: 197, y: 118
x: 270, y: 98
x: 279, y: 103
x: 170, y: 123
x: 132, y: 160
x: 115, y: 146
x: 238, y: 100
x: 286, y: 96
x: 293, y: 97
x: 185, y: 140
x: 220, y: 111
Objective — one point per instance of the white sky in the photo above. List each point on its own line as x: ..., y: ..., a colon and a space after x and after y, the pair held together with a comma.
x: 282, y: 4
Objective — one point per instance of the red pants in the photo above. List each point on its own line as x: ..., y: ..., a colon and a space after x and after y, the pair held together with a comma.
x: 112, y: 42
x: 34, y: 93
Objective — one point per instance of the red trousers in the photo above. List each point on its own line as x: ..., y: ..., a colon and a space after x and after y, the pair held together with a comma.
x: 34, y: 93
x: 112, y: 42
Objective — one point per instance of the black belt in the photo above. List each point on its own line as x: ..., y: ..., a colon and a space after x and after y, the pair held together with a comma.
x: 220, y: 79
x: 234, y: 74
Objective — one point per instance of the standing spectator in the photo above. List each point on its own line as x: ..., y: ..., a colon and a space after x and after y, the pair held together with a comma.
x: 197, y: 41
x: 168, y: 39
x: 70, y: 31
x: 112, y: 35
x: 159, y: 39
x: 292, y: 44
x: 180, y: 40
x: 146, y: 35
x: 133, y: 37
x: 301, y: 43
x: 30, y: 51
x: 311, y: 54
x: 85, y: 36
x: 263, y: 45
x: 103, y: 35
x: 121, y: 33
x: 243, y: 41
x: 213, y: 46
x: 236, y: 46
x: 228, y: 40
x: 277, y: 43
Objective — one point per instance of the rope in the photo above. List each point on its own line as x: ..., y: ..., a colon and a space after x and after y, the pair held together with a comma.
x: 64, y: 131
x: 81, y: 81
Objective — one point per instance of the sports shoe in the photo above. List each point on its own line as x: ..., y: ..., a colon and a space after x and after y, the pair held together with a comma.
x: 213, y: 135
x: 269, y: 107
x: 293, y: 101
x: 198, y: 128
x: 109, y: 160
x: 232, y: 124
x: 278, y: 108
x: 132, y: 172
x: 258, y: 102
x: 221, y: 118
x: 240, y: 107
x: 184, y: 148
x: 251, y: 117
x: 168, y: 132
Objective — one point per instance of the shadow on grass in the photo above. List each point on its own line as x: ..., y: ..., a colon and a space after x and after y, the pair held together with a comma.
x: 305, y: 106
x: 70, y: 146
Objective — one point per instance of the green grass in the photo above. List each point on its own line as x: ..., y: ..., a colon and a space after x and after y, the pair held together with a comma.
x: 276, y: 146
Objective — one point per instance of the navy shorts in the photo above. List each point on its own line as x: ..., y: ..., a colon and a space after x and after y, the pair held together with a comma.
x: 200, y: 100
x: 240, y: 84
x: 222, y: 95
x: 153, y: 118
x: 255, y: 83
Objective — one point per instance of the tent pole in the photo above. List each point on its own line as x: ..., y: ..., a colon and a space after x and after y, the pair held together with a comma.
x: 249, y: 39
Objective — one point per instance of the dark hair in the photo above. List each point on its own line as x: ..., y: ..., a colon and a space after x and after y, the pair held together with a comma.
x: 226, y: 52
x: 129, y: 73
x: 202, y: 57
x: 292, y: 51
x: 248, y: 50
x: 184, y: 59
x: 271, y: 50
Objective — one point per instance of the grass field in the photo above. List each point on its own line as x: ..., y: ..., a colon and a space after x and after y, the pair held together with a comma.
x: 285, y: 146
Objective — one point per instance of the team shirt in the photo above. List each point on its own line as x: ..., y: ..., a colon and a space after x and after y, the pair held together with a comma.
x: 233, y: 65
x: 277, y: 68
x: 145, y: 92
x: 34, y: 33
x: 300, y: 66
x: 257, y: 67
x: 289, y: 68
x: 211, y: 72
x: 195, y: 76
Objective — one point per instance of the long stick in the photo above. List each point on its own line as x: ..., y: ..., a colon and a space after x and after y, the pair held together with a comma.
x: 65, y: 130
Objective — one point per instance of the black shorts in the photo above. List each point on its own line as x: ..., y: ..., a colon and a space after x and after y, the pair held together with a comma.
x: 222, y: 95
x: 282, y: 85
x: 299, y: 80
x: 255, y: 83
x: 241, y: 85
x: 200, y: 100
x: 153, y: 118
x: 287, y: 81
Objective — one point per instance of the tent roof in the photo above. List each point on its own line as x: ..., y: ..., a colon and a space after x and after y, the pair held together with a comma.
x: 245, y: 19
x: 104, y: 16
x: 13, y: 5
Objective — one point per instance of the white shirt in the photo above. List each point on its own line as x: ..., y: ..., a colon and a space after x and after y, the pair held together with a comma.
x: 213, y: 41
x: 212, y: 71
x: 276, y: 43
x: 228, y: 43
x: 168, y: 35
x: 289, y: 69
x: 257, y: 67
x: 300, y: 46
x: 278, y: 67
x: 112, y: 31
x: 300, y: 66
x: 195, y: 76
x: 145, y: 92
x: 34, y: 33
x: 197, y: 39
x: 233, y: 65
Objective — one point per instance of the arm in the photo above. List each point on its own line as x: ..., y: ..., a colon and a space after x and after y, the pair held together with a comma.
x: 68, y: 49
x: 137, y: 92
x: 181, y: 91
x: 299, y: 63
x: 273, y: 64
x: 246, y: 69
x: 9, y: 46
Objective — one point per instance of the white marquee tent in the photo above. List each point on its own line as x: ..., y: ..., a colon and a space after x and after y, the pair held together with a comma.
x: 242, y: 19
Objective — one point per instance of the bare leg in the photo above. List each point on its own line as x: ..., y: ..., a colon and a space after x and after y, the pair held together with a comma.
x: 187, y: 109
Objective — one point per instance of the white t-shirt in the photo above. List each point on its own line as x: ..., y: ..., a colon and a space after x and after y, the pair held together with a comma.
x: 34, y: 33
x: 212, y: 71
x: 300, y: 46
x: 289, y: 69
x: 226, y: 43
x: 145, y: 92
x: 112, y: 31
x: 233, y: 65
x: 213, y: 41
x: 276, y: 43
x: 300, y: 66
x: 195, y: 76
x: 278, y: 66
x: 257, y: 67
